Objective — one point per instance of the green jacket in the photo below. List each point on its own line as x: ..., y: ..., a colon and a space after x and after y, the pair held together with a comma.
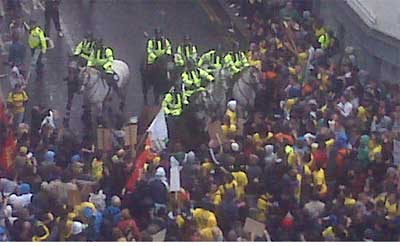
x: 37, y: 39
x: 103, y: 57
x: 184, y: 53
x: 235, y: 61
x: 172, y: 104
x: 194, y: 78
x: 210, y: 61
x: 157, y: 48
x: 84, y: 49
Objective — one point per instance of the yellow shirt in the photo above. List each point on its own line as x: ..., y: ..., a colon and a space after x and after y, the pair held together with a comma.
x: 207, y: 166
x: 375, y: 151
x: 232, y: 117
x: 17, y: 99
x: 392, y: 209
x: 292, y: 159
x: 97, y: 169
x: 328, y: 232
x: 78, y: 209
x: 204, y: 218
x: 242, y: 181
x: 362, y: 114
x: 350, y: 201
x: 319, y: 177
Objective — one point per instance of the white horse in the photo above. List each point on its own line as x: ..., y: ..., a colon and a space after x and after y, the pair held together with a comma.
x: 96, y: 90
x: 244, y: 89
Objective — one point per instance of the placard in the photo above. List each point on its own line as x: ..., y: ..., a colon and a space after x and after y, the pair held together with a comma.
x: 254, y: 226
x: 104, y: 139
x: 159, y: 236
x: 130, y: 137
x: 175, y: 178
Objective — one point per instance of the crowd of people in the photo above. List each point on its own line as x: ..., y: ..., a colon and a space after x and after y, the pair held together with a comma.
x: 314, y: 160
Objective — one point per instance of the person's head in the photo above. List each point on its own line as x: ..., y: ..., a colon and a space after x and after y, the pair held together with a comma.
x: 187, y: 39
x: 157, y: 33
x: 232, y: 105
x: 89, y: 36
x: 117, y: 233
x: 116, y: 201
x: 99, y: 43
x: 236, y: 47
x: 32, y: 24
x: 125, y: 214
x: 289, y: 5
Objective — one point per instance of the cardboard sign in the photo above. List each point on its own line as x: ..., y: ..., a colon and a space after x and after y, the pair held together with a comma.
x: 74, y: 197
x: 130, y: 135
x: 159, y: 236
x: 254, y: 226
x: 104, y: 139
x: 175, y: 178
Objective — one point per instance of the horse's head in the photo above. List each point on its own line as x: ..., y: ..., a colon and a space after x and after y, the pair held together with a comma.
x: 253, y: 76
x: 84, y: 77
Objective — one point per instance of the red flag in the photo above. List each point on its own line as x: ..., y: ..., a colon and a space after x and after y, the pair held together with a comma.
x: 8, y: 143
x: 144, y: 157
x: 8, y: 153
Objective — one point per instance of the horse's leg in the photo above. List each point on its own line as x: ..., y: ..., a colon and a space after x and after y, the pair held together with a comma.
x: 122, y: 99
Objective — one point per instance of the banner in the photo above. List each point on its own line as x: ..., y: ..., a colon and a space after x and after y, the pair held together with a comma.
x: 175, y: 177
x: 8, y: 143
x: 158, y: 132
x: 136, y: 175
x: 8, y: 153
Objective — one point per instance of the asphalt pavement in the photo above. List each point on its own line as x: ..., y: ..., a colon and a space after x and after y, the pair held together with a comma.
x: 121, y: 24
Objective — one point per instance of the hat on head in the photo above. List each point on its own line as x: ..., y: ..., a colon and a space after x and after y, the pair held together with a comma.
x: 88, y: 212
x: 115, y: 201
x: 49, y: 156
x: 76, y: 158
x: 25, y: 188
x: 232, y: 105
x: 77, y: 227
x: 160, y: 172
x: 235, y: 147
x: 23, y: 150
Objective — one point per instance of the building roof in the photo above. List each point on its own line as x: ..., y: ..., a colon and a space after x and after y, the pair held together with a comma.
x: 381, y: 15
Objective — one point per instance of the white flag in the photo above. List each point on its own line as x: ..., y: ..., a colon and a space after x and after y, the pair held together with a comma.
x: 158, y: 132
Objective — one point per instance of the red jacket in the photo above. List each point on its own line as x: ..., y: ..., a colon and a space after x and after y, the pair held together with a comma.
x: 129, y: 225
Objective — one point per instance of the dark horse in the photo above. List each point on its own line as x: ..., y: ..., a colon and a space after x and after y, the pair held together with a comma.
x: 160, y: 75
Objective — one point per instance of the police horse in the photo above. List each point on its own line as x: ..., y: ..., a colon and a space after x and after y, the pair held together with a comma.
x: 210, y: 105
x: 96, y: 90
x: 158, y: 76
x: 244, y: 90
